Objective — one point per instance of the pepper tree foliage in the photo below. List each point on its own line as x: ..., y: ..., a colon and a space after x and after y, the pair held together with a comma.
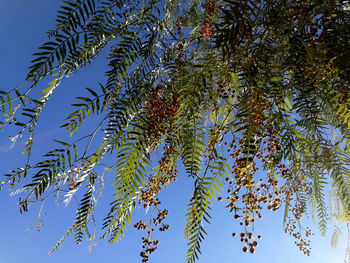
x: 242, y: 93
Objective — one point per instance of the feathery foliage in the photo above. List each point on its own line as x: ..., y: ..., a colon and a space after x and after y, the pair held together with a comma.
x: 243, y: 94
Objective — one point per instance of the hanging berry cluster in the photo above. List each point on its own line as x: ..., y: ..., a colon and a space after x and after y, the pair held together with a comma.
x: 258, y: 143
x: 215, y: 134
x: 207, y: 26
x: 162, y: 111
x: 302, y: 243
x: 149, y: 244
x: 149, y: 199
x: 157, y: 117
x: 206, y: 30
x: 224, y: 91
x: 294, y: 185
x: 212, y: 7
x: 167, y: 164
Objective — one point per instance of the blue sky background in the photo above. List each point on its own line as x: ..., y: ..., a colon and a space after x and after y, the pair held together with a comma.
x: 23, y: 26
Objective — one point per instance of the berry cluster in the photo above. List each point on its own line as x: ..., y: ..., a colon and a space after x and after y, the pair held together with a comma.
x: 300, y: 242
x: 149, y: 245
x: 161, y: 112
x: 207, y: 26
x: 295, y: 184
x: 159, y: 219
x: 298, y: 9
x: 149, y: 198
x: 258, y: 142
x: 211, y: 7
x: 206, y: 30
x: 214, y: 137
x: 223, y: 91
x: 167, y: 165
x: 157, y: 117
x: 244, y: 239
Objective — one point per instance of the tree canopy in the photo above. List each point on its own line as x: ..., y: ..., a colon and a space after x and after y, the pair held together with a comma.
x: 244, y: 94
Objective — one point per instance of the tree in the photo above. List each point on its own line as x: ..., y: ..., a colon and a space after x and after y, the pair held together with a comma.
x: 225, y: 87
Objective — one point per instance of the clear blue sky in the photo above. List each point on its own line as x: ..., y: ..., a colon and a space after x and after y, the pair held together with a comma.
x: 23, y: 25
